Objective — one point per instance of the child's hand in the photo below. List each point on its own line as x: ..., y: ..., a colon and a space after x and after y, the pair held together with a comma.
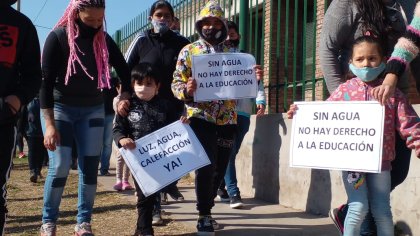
x: 259, y: 72
x: 184, y: 120
x: 191, y: 87
x: 127, y: 143
x: 293, y: 108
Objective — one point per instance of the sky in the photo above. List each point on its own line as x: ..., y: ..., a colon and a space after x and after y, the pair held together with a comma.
x: 46, y: 16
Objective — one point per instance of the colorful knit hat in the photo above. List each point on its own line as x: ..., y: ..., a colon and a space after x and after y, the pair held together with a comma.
x: 99, y: 43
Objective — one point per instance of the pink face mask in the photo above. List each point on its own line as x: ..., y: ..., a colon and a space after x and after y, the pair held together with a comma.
x: 145, y: 93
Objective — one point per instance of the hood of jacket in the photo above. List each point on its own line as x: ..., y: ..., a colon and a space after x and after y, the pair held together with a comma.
x: 211, y: 9
x: 6, y: 3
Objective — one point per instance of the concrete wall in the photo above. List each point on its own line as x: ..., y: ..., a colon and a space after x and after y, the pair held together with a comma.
x: 263, y: 172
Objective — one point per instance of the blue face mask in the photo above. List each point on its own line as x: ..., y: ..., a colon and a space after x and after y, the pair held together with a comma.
x: 367, y: 74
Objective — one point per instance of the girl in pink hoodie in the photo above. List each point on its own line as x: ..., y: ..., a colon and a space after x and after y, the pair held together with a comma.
x: 372, y: 190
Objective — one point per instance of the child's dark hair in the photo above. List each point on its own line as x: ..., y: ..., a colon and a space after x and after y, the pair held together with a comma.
x: 232, y: 25
x: 142, y: 71
x: 372, y: 40
x: 160, y: 4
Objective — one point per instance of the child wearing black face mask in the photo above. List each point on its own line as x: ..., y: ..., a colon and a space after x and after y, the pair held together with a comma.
x: 214, y: 122
x: 147, y: 113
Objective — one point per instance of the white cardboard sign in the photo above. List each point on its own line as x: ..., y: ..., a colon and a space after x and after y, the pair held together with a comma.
x: 164, y: 156
x: 224, y: 76
x: 338, y: 136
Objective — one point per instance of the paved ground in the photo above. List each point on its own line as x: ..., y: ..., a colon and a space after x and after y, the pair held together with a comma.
x: 256, y: 218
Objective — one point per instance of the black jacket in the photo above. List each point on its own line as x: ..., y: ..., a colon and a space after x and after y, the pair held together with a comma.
x: 20, y: 69
x: 80, y: 90
x: 162, y: 52
x: 143, y: 118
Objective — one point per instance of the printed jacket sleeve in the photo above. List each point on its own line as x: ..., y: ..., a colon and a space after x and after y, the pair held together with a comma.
x: 52, y: 59
x: 407, y: 122
x: 181, y: 74
x: 120, y: 129
x: 29, y: 66
x: 336, y: 30
x: 116, y: 59
x: 407, y: 47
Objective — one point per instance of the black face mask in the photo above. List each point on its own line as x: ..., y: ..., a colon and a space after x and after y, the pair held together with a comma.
x: 87, y: 30
x: 234, y: 42
x: 213, y: 36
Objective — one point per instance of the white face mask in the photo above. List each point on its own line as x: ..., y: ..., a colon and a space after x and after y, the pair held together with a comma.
x: 145, y: 93
x: 160, y: 26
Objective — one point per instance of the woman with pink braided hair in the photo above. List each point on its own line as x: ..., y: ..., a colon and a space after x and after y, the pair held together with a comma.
x: 76, y: 62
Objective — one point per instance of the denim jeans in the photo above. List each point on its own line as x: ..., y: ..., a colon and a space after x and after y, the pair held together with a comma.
x: 85, y: 125
x: 373, y: 193
x: 399, y: 172
x: 107, y: 143
x: 230, y: 176
x: 36, y: 153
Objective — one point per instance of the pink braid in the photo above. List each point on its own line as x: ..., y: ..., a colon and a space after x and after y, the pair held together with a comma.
x: 99, y: 45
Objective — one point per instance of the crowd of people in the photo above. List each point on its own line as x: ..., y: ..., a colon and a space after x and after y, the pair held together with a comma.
x: 73, y: 107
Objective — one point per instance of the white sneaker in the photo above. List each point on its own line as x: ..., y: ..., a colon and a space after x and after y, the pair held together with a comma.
x: 157, y: 218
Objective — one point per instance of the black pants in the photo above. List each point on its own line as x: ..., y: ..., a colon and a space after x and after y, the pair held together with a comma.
x: 401, y: 164
x: 145, y: 207
x: 36, y: 153
x: 217, y: 141
x: 7, y: 148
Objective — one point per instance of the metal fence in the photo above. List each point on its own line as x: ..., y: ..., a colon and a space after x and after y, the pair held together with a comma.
x: 281, y: 34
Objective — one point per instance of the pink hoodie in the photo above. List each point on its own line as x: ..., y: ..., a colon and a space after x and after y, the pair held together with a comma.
x: 399, y: 116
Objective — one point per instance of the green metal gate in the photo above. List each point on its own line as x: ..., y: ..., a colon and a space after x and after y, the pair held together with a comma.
x: 281, y: 34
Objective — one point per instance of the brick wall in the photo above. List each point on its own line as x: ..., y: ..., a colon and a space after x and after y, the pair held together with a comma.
x: 275, y: 79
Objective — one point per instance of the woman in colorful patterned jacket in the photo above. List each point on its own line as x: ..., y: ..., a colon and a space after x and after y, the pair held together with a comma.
x: 213, y: 122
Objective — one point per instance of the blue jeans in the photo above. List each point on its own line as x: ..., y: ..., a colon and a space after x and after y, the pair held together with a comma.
x: 107, y: 143
x: 373, y: 193
x: 86, y: 126
x: 230, y: 176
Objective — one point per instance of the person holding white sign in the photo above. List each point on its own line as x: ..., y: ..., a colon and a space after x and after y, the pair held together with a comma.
x: 346, y: 20
x: 213, y: 122
x: 147, y: 113
x: 244, y: 109
x: 160, y: 47
x: 372, y: 190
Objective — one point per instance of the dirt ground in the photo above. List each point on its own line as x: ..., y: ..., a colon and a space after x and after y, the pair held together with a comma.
x: 114, y: 213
